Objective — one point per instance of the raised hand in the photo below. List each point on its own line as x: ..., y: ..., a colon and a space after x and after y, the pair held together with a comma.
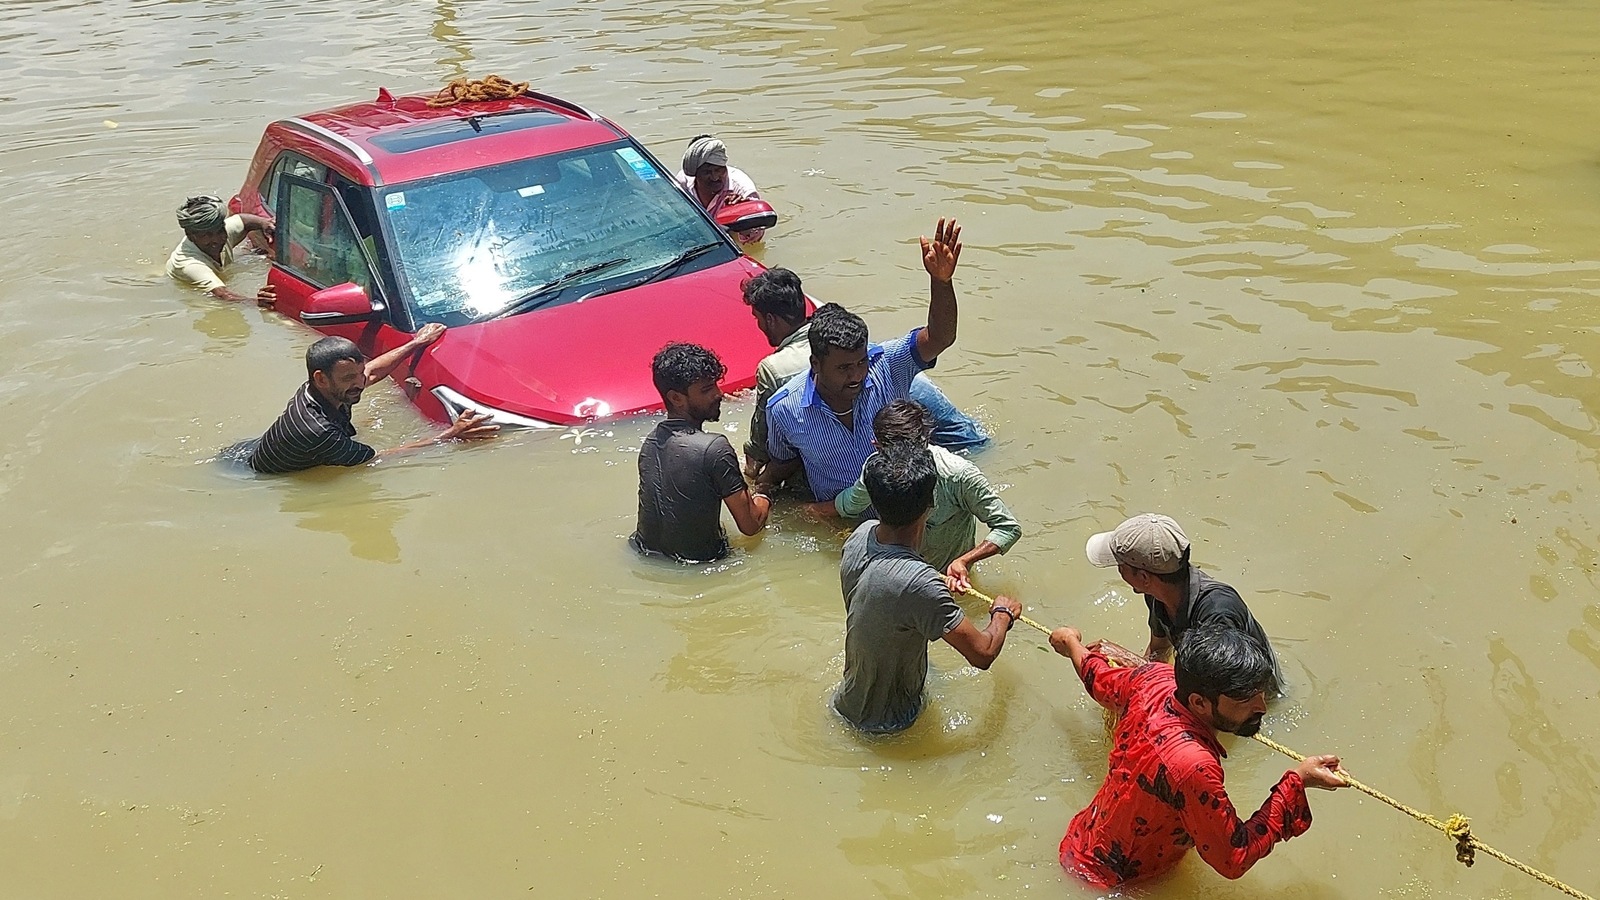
x: 940, y: 255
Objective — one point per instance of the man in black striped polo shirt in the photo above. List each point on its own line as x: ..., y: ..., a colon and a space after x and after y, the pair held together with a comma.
x: 315, y: 428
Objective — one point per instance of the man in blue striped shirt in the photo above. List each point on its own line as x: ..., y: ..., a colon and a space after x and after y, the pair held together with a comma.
x: 822, y: 419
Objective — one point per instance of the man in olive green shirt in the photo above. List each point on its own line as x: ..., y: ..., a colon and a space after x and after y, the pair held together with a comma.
x: 779, y: 307
x: 961, y: 498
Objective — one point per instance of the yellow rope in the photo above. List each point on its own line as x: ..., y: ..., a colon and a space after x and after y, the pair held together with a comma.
x: 1458, y: 827
x: 990, y: 600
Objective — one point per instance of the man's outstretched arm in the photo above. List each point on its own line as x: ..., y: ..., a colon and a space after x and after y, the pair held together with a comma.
x: 1109, y: 685
x: 939, y: 257
x: 469, y: 426
x: 981, y: 648
x: 379, y: 367
x: 1231, y: 845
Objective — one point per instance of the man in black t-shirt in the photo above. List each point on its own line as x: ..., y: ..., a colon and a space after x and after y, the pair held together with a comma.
x: 1151, y: 553
x: 685, y: 474
x: 315, y: 428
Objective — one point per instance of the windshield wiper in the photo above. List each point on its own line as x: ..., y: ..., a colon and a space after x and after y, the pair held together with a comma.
x: 662, y: 270
x: 542, y: 294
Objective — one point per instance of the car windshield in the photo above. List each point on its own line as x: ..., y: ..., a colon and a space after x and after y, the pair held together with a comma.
x: 473, y: 244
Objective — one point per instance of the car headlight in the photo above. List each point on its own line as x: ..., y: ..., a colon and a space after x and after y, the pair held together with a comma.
x: 456, y: 403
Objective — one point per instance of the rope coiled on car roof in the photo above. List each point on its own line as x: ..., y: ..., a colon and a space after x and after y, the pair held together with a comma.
x: 477, y: 90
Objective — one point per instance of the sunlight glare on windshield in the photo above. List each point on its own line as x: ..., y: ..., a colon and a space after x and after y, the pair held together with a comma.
x: 483, y: 288
x: 471, y: 244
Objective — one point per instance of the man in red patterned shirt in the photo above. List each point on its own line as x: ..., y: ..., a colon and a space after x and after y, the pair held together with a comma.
x: 1164, y: 793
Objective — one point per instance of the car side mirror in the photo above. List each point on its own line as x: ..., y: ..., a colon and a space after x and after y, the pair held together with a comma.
x: 747, y: 215
x: 342, y: 304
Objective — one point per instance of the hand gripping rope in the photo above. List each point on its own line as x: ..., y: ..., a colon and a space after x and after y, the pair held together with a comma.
x: 1457, y: 827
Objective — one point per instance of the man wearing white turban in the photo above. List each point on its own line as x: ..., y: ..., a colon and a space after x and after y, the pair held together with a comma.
x: 708, y: 178
x: 209, y: 236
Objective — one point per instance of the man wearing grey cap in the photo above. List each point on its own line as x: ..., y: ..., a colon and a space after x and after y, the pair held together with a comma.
x: 1151, y: 553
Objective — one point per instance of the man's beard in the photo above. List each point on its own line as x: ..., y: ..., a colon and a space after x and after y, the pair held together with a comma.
x: 1248, y: 727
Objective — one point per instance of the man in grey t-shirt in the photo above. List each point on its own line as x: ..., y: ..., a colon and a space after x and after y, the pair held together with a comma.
x: 896, y: 604
x: 686, y: 476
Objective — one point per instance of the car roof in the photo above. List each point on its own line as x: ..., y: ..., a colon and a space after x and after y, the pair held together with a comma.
x: 401, y: 139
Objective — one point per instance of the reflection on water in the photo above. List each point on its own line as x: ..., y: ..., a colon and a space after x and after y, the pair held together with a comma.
x: 1572, y: 799
x: 360, y: 510
x: 1321, y: 282
x: 458, y: 52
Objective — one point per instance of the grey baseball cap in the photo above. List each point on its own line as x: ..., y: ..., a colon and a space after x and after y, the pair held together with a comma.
x: 1147, y: 541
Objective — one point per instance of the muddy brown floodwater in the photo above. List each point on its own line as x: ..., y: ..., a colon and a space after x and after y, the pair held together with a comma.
x: 1319, y: 281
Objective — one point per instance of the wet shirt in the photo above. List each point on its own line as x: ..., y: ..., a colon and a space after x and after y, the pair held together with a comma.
x: 799, y: 422
x: 684, y: 474
x: 741, y: 187
x: 1164, y: 792
x: 1210, y: 602
x: 309, y: 434
x: 192, y: 265
x: 895, y: 605
x: 791, y: 357
x: 961, y: 498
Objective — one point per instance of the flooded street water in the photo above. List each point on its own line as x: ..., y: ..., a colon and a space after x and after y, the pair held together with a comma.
x: 1314, y: 281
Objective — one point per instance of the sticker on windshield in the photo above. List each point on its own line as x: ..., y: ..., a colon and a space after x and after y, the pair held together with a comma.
x: 637, y: 163
x: 530, y: 190
x: 396, y: 200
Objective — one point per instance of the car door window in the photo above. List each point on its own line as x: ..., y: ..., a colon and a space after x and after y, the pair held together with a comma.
x: 293, y: 164
x: 319, y: 242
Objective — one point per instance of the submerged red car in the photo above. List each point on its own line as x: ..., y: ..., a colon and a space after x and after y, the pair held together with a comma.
x: 555, y: 247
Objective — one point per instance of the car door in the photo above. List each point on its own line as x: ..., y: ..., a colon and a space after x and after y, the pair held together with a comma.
x: 319, y: 247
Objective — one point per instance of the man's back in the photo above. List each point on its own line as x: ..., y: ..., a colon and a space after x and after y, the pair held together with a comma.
x: 684, y: 474
x: 1207, y: 601
x: 1164, y: 792
x: 895, y: 605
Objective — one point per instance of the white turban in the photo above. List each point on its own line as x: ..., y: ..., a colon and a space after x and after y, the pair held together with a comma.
x: 702, y: 150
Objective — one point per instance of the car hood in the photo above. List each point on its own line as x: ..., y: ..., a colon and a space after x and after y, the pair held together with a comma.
x: 591, y: 359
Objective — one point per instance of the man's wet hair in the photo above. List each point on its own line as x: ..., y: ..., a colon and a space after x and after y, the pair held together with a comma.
x: 326, y: 353
x: 902, y: 422
x: 776, y: 292
x: 833, y: 326
x: 900, y: 479
x: 1217, y: 660
x: 679, y: 365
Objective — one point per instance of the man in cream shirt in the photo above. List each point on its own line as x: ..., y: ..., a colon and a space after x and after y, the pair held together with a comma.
x: 209, y: 236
